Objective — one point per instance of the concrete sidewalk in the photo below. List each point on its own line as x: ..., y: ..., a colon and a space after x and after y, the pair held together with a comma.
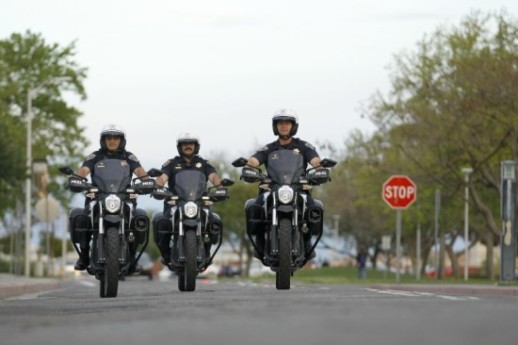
x: 13, y: 285
x: 453, y: 289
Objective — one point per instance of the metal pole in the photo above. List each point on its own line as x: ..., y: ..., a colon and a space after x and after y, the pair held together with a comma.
x: 64, y: 246
x: 436, y: 230
x: 28, y: 185
x: 466, y: 171
x: 418, y: 253
x: 508, y: 216
x: 398, y: 243
x: 48, y: 231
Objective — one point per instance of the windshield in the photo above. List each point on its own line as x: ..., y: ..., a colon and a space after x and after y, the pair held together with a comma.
x: 190, y: 185
x: 112, y: 175
x: 285, y: 166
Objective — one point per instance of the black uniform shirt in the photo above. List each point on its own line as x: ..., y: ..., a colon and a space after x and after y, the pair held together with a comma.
x: 98, y: 156
x: 307, y: 151
x: 178, y: 163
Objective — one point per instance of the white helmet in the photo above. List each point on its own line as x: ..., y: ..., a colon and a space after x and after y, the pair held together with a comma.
x: 285, y: 114
x: 187, y: 137
x: 115, y: 130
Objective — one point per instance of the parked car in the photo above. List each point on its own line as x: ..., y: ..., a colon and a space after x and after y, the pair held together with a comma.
x: 211, y: 272
x: 229, y: 271
x: 145, y: 266
x: 257, y: 269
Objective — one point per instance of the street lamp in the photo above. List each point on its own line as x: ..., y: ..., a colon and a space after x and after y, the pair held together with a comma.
x: 40, y: 172
x: 467, y: 172
x: 31, y: 94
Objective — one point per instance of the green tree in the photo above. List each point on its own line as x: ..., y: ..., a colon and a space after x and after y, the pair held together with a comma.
x: 28, y: 62
x: 452, y: 104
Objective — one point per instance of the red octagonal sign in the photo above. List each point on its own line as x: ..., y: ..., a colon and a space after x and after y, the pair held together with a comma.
x: 399, y: 191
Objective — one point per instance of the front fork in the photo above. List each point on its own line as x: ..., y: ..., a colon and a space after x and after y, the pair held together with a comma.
x: 298, y: 249
x: 199, y: 238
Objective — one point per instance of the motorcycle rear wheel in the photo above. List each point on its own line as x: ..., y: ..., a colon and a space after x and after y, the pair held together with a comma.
x: 283, y: 274
x: 110, y: 276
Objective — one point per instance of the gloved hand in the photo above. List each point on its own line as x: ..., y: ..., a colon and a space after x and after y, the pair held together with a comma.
x: 160, y: 193
x: 145, y: 187
x: 76, y: 184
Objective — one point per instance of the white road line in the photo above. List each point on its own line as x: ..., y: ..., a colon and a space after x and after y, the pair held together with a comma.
x: 424, y: 294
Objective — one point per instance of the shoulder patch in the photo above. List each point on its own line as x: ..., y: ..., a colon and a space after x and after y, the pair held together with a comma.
x: 310, y: 146
x: 264, y: 148
x: 133, y: 157
x: 167, y: 162
x: 90, y: 157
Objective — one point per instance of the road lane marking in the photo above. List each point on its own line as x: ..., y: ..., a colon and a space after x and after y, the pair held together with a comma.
x: 423, y: 294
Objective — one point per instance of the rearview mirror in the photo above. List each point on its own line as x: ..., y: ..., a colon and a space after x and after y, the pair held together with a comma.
x: 66, y: 170
x: 153, y: 172
x: 240, y: 162
x: 227, y: 182
x: 327, y: 163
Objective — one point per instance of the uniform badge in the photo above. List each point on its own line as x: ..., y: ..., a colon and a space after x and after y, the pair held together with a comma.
x: 124, y: 164
x: 178, y: 166
x: 296, y: 151
x: 274, y: 156
x: 198, y: 165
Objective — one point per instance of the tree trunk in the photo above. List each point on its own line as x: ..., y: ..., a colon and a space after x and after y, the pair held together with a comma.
x: 454, y: 262
x: 442, y: 246
x: 489, y: 256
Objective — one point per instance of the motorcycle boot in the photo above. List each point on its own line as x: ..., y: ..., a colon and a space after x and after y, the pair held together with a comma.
x: 307, y: 248
x: 255, y: 226
x: 83, y: 261
x: 259, y: 246
x: 162, y: 230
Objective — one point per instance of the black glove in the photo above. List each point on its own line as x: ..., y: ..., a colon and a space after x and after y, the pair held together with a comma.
x: 160, y: 193
x: 145, y: 187
x: 250, y: 175
x: 319, y: 176
x: 76, y: 184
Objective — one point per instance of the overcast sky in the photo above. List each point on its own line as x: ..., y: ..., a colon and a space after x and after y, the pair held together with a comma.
x: 220, y: 68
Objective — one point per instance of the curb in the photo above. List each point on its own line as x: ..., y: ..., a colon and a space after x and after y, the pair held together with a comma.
x: 17, y: 288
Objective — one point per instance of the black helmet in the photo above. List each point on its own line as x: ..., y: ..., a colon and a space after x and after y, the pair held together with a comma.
x: 187, y: 137
x: 285, y: 114
x: 115, y: 130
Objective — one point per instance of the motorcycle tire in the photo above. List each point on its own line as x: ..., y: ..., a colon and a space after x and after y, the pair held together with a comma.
x: 283, y: 274
x: 110, y: 276
x: 190, y: 265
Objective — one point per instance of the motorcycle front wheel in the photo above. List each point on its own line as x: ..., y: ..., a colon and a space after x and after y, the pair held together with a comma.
x: 283, y: 274
x: 187, y: 277
x: 110, y: 276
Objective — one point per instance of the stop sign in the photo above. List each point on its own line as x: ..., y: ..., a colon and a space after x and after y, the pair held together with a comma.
x: 399, y: 191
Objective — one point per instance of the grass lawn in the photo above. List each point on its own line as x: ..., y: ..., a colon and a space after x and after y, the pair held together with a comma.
x: 348, y: 275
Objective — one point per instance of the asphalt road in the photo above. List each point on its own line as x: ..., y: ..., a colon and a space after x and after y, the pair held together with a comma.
x: 237, y: 312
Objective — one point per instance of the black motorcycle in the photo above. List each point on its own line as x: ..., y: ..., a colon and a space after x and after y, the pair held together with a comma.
x: 285, y: 215
x: 120, y: 233
x: 192, y: 232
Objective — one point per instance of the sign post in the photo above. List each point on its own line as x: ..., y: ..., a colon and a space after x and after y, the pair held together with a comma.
x: 508, y: 216
x: 399, y: 192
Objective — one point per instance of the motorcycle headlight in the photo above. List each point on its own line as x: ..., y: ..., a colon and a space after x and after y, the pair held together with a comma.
x: 190, y: 209
x: 112, y: 203
x: 285, y: 194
